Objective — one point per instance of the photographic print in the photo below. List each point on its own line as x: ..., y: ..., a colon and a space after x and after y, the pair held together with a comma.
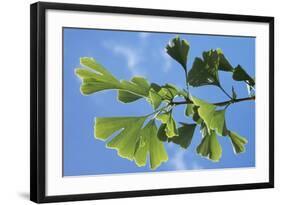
x: 138, y: 101
x: 131, y: 102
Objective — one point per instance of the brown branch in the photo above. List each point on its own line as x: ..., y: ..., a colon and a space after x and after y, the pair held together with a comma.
x: 218, y: 103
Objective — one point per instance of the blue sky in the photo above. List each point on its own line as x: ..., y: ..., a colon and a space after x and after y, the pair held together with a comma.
x: 126, y: 54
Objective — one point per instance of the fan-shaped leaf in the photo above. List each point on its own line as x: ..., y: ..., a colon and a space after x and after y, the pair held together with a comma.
x: 126, y: 140
x: 213, y: 119
x: 171, y: 127
x: 205, y: 110
x: 178, y: 50
x: 218, y: 122
x: 240, y: 74
x: 133, y: 90
x: 238, y: 142
x: 97, y: 78
x: 184, y: 138
x: 224, y: 64
x: 205, y: 72
x: 132, y: 141
x: 150, y: 144
x: 210, y: 146
x: 185, y: 135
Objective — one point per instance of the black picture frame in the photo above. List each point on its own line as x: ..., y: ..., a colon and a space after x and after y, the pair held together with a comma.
x: 38, y: 103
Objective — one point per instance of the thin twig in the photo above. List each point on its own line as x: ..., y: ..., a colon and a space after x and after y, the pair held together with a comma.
x: 223, y: 90
x: 218, y: 103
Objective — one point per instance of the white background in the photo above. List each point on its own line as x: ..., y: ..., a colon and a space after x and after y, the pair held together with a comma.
x: 14, y: 103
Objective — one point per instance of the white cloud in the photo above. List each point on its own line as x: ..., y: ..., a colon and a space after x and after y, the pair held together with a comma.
x: 195, y: 166
x: 144, y: 35
x: 181, y: 161
x: 131, y: 55
x: 177, y: 161
x: 167, y: 61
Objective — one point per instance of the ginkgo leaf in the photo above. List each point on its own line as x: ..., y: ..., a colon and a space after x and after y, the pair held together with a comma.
x: 171, y: 127
x: 132, y: 141
x: 224, y: 64
x: 238, y: 142
x: 133, y: 90
x: 210, y: 146
x: 96, y: 78
x: 205, y: 110
x: 135, y: 86
x: 213, y: 119
x: 218, y: 122
x: 161, y: 134
x: 189, y: 110
x: 239, y: 74
x: 178, y: 50
x: 196, y: 117
x: 202, y: 73
x: 158, y: 94
x: 155, y: 98
x: 127, y: 97
x: 150, y: 144
x: 184, y: 137
x: 126, y: 139
x: 168, y: 92
x: 205, y: 71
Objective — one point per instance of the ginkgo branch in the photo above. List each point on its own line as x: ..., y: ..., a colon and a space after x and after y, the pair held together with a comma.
x: 138, y: 138
x: 218, y: 103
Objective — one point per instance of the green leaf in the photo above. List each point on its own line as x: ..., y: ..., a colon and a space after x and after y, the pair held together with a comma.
x: 213, y: 119
x: 96, y: 67
x: 125, y: 141
x: 133, y: 90
x: 135, y: 87
x: 127, y: 97
x: 158, y: 94
x: 155, y: 99
x: 185, y: 135
x: 196, y: 117
x: 218, y: 122
x: 168, y: 92
x: 224, y: 64
x: 96, y: 78
x: 238, y: 142
x: 171, y: 127
x: 150, y: 144
x: 178, y: 50
x: 161, y: 134
x: 132, y: 141
x: 189, y: 110
x: 210, y: 146
x: 205, y: 110
x: 204, y: 72
x: 184, y: 138
x: 240, y: 74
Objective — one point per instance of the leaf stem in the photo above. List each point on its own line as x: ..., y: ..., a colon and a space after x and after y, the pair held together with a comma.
x: 223, y: 90
x: 157, y: 111
x: 187, y: 86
